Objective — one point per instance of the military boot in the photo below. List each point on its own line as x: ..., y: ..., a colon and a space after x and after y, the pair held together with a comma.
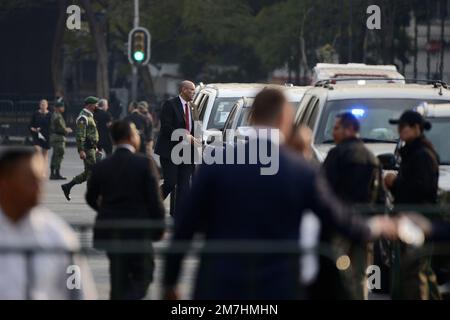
x: 53, y: 175
x: 66, y: 189
x: 59, y: 176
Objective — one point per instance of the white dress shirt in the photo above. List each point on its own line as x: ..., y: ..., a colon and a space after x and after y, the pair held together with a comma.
x: 45, y: 276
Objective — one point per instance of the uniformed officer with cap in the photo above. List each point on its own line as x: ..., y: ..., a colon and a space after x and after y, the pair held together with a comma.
x: 58, y: 133
x: 87, y: 140
x: 415, y: 187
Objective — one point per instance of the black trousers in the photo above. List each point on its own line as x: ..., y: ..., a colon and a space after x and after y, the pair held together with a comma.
x: 176, y: 175
x: 130, y: 275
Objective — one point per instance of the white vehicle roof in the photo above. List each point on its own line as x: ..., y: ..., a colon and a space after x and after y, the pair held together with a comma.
x: 324, y: 71
x: 295, y: 93
x: 386, y: 91
x: 429, y: 110
x: 232, y: 90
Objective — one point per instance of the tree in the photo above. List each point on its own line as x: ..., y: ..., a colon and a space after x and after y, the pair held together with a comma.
x: 58, y: 86
x: 98, y: 33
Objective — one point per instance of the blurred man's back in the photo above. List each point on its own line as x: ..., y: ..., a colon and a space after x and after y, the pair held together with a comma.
x: 240, y: 204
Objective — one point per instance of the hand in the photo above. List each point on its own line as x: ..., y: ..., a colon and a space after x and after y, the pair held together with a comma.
x: 82, y: 155
x: 191, y: 139
x: 389, y: 180
x: 170, y: 294
x: 69, y: 130
x: 383, y: 226
x: 419, y: 220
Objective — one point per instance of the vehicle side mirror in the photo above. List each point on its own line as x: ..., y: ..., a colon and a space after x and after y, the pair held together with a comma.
x: 388, y: 161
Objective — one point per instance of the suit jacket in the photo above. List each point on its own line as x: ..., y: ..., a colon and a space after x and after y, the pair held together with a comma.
x: 172, y: 118
x: 236, y: 203
x: 124, y: 187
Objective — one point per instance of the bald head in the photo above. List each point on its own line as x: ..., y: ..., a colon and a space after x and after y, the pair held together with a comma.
x: 187, y: 90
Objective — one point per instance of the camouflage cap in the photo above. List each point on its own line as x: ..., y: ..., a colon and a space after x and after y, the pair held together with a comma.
x: 90, y: 100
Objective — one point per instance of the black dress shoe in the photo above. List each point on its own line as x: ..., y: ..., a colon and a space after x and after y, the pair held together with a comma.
x: 66, y: 189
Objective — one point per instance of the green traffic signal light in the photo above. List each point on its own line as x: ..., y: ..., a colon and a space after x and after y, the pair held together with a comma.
x: 138, y: 56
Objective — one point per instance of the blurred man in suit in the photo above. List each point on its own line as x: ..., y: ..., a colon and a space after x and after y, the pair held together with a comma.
x: 104, y: 120
x: 177, y: 113
x: 123, y: 189
x: 237, y: 203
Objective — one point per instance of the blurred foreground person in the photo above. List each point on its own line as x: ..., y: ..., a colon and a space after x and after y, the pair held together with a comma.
x: 103, y: 119
x: 58, y: 133
x: 44, y: 275
x: 354, y: 174
x: 301, y: 142
x: 251, y: 211
x: 123, y: 189
x: 87, y: 141
x: 40, y: 129
x: 415, y: 186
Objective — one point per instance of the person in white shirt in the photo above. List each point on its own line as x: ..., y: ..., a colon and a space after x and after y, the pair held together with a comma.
x: 37, y: 248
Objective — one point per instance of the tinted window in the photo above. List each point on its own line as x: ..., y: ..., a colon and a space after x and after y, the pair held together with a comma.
x: 373, y: 114
x: 219, y: 113
x: 439, y: 137
x: 315, y: 112
x: 203, y: 106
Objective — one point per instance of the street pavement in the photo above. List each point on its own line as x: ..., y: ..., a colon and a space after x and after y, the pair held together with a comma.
x: 77, y: 212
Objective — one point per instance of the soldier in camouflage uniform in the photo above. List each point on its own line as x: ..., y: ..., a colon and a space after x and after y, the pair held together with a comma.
x: 87, y: 140
x: 58, y: 132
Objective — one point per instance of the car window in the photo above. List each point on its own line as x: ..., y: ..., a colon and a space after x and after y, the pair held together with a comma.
x: 438, y: 135
x: 231, y: 116
x: 229, y: 122
x: 198, y: 98
x: 314, y: 113
x: 373, y: 115
x: 219, y: 112
x: 307, y: 110
x: 203, y: 106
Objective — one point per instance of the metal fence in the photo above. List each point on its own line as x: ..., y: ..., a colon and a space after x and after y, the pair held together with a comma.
x: 200, y: 247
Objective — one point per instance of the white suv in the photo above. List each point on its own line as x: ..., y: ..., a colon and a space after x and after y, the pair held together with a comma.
x: 372, y: 103
x: 238, y: 117
x: 214, y: 103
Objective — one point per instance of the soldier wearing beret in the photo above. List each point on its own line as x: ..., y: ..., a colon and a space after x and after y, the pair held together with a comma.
x: 87, y: 140
x: 58, y: 133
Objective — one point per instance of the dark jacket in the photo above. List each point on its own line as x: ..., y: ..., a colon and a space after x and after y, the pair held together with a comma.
x: 103, y: 119
x: 140, y: 121
x: 354, y: 173
x: 125, y: 187
x: 234, y: 202
x: 42, y: 121
x: 417, y: 180
x: 172, y: 118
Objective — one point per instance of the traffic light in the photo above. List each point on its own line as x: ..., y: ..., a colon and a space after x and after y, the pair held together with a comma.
x: 139, y: 46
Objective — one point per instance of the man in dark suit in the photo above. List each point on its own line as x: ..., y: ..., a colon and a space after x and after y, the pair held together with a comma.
x: 103, y: 120
x: 123, y: 189
x: 239, y: 205
x: 177, y: 113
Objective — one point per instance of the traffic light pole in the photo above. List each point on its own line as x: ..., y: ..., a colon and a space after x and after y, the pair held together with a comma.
x: 134, y: 80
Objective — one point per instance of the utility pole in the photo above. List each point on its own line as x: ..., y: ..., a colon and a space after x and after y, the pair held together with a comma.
x: 134, y: 81
x: 350, y: 33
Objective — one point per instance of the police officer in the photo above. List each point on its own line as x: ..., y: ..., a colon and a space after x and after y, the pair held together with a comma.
x: 415, y: 186
x: 354, y: 174
x: 58, y: 132
x: 87, y: 140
